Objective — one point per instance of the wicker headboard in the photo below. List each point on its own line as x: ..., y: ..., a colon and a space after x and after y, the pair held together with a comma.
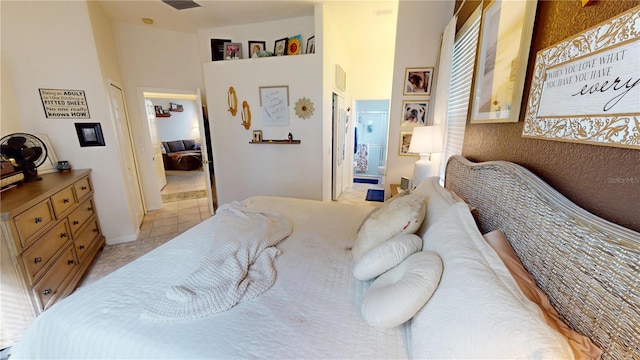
x: 589, y: 267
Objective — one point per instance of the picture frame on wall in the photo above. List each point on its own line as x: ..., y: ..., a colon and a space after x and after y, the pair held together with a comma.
x: 280, y: 47
x: 254, y: 47
x: 415, y: 113
x: 418, y: 81
x: 232, y: 51
x: 405, y: 141
x: 89, y: 134
x: 257, y: 136
x: 294, y: 45
x: 500, y: 69
x: 311, y: 45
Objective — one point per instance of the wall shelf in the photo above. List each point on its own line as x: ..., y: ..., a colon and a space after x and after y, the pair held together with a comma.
x: 276, y: 142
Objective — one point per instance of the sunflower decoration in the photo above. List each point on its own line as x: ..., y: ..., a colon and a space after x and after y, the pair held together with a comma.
x: 293, y: 46
x: 304, y: 108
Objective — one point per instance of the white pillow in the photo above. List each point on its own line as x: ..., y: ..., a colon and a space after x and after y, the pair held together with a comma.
x: 478, y: 310
x: 439, y: 200
x: 403, y: 215
x: 398, y: 294
x: 386, y: 255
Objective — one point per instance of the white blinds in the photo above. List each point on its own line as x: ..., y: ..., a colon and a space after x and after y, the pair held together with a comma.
x: 464, y: 55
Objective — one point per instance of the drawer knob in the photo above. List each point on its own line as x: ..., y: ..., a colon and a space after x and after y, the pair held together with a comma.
x: 37, y: 260
x: 83, y: 187
x: 89, y: 208
x: 81, y: 247
x: 95, y: 230
x: 63, y: 235
x: 64, y: 201
x: 46, y: 292
x: 37, y: 220
x: 70, y: 262
x: 76, y: 222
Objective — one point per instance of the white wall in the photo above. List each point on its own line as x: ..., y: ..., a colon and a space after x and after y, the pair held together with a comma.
x: 39, y: 53
x: 158, y: 60
x: 180, y: 125
x: 244, y: 169
x: 420, y: 24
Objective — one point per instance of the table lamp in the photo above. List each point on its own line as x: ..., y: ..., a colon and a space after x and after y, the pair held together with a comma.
x: 425, y: 140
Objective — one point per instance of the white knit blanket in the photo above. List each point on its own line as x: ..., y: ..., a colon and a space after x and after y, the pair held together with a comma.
x: 238, y: 267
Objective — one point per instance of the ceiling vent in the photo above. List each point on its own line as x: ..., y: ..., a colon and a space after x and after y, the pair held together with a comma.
x: 181, y: 4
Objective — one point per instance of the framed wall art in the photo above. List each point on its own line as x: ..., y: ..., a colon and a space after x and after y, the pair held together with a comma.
x: 311, y: 45
x: 501, y: 64
x: 415, y: 113
x: 274, y: 101
x: 405, y: 141
x: 586, y: 89
x: 89, y: 134
x: 418, y: 81
x: 232, y: 51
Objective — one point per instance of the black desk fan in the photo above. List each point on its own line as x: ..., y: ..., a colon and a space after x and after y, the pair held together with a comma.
x: 26, y: 152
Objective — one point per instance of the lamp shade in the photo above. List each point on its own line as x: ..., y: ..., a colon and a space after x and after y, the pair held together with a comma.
x: 426, y: 140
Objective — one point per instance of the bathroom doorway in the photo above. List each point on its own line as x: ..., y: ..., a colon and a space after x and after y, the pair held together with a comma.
x: 370, y: 141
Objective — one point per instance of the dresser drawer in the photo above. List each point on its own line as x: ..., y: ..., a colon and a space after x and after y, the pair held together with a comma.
x: 80, y: 215
x: 32, y: 220
x: 85, y: 240
x: 47, y: 290
x: 83, y: 187
x: 63, y: 200
x: 39, y: 254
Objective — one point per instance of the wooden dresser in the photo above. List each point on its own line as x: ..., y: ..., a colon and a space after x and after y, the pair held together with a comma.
x: 50, y: 236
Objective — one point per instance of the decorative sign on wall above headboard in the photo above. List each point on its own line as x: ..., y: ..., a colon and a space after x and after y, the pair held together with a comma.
x: 64, y: 104
x: 586, y: 89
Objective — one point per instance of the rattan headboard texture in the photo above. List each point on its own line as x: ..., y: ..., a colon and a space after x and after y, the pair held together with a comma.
x: 589, y: 267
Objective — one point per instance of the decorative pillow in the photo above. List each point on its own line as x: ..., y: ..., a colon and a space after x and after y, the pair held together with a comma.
x: 581, y: 345
x: 398, y: 294
x: 403, y: 215
x: 175, y: 146
x: 386, y: 255
x: 438, y: 201
x: 478, y: 310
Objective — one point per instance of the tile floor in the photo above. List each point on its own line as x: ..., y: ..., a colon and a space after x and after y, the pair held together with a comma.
x: 174, y: 218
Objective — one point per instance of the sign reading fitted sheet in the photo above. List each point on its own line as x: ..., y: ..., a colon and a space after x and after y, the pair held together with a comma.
x: 274, y: 101
x: 587, y: 89
x: 64, y: 104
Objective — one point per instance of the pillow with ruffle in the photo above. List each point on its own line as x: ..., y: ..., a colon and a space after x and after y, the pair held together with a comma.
x: 403, y: 215
x: 386, y: 255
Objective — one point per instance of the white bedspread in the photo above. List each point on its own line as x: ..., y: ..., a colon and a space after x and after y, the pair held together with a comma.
x: 238, y: 267
x: 311, y: 312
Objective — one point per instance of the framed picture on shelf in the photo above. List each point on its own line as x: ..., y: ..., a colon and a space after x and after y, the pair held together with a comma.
x: 280, y: 47
x: 257, y: 136
x: 405, y: 141
x: 418, y: 81
x: 232, y: 51
x: 294, y: 45
x: 414, y: 113
x: 311, y: 45
x: 254, y: 47
x: 217, y: 49
x: 89, y: 134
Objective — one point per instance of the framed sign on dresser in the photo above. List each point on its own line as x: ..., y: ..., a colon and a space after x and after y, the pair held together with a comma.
x: 50, y: 237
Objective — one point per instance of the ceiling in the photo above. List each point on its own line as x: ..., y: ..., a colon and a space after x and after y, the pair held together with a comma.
x: 211, y: 14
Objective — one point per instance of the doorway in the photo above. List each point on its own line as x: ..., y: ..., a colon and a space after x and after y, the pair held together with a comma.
x: 370, y: 141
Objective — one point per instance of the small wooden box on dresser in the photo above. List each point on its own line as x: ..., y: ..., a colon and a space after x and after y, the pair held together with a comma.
x: 50, y: 236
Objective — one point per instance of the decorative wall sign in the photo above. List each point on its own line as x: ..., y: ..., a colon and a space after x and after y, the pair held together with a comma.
x: 304, y: 108
x: 274, y: 101
x: 586, y: 89
x: 64, y: 104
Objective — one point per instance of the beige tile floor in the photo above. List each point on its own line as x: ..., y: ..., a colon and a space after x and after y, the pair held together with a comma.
x: 174, y: 218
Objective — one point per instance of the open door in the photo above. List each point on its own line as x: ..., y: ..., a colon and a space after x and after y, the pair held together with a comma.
x: 338, y: 146
x: 156, y: 144
x: 126, y: 148
x: 207, y: 154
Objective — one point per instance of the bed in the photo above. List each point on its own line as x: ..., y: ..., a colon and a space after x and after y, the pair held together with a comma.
x: 587, y: 266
